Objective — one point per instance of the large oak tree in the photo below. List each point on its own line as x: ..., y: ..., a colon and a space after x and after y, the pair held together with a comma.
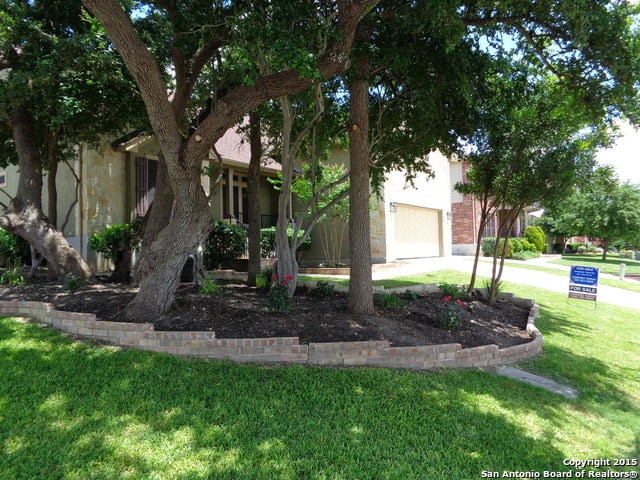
x: 185, y: 144
x: 59, y: 86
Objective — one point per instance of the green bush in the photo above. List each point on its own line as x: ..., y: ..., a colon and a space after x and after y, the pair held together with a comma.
x: 226, y: 242
x: 12, y: 276
x: 325, y: 289
x: 525, y: 255
x: 278, y: 298
x: 489, y: 244
x: 517, y: 244
x: 536, y: 236
x: 13, y: 249
x: 575, y: 247
x: 71, y: 283
x: 456, y: 292
x: 450, y: 316
x: 389, y: 300
x: 268, y: 241
x: 210, y: 287
x: 112, y: 239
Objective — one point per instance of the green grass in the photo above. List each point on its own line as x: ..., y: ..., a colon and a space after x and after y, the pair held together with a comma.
x: 397, y: 282
x: 72, y: 410
x: 611, y: 265
x: 575, y: 260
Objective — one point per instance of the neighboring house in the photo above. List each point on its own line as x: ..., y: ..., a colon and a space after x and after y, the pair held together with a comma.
x: 465, y: 210
x: 116, y: 184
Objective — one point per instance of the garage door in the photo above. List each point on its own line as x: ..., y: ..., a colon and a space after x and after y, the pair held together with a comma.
x: 417, y: 232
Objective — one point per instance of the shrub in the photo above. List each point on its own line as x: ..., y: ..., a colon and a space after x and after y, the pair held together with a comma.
x: 112, y: 239
x: 209, y: 286
x: 536, y: 236
x: 488, y: 245
x: 71, y: 283
x: 452, y: 290
x: 517, y: 244
x: 12, y: 276
x: 389, y: 300
x: 268, y: 241
x: 450, y: 316
x: 575, y: 247
x: 13, y: 249
x: 278, y: 298
x: 325, y: 289
x: 524, y: 255
x: 410, y: 295
x: 225, y: 242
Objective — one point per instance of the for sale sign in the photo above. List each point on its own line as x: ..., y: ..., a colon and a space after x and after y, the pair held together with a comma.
x: 583, y: 283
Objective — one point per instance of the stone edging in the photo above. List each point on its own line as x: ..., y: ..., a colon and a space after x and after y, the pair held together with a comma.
x: 281, y: 349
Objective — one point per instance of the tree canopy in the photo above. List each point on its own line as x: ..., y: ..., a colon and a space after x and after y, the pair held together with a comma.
x: 604, y: 210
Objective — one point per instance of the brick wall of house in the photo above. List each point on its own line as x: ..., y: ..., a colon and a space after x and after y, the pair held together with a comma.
x: 465, y: 215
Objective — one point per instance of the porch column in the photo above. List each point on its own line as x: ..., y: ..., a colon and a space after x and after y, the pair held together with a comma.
x: 230, y: 199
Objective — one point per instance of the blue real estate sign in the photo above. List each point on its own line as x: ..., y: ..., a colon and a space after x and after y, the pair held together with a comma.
x: 583, y: 282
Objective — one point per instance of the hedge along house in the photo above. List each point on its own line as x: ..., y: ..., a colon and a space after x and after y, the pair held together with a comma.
x: 466, y: 213
x: 116, y: 184
x: 407, y: 221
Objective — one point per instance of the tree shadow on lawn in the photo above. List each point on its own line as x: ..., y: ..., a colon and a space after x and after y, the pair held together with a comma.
x: 73, y: 409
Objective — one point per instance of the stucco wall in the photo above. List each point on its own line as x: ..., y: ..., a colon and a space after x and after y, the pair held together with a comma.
x: 433, y: 193
x: 429, y: 193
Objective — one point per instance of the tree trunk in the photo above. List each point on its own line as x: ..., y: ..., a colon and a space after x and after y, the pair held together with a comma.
x: 253, y: 193
x: 184, y: 154
x: 157, y: 217
x: 485, y: 213
x: 52, y: 189
x: 165, y: 257
x: 122, y: 265
x: 360, y: 288
x: 24, y: 215
x: 287, y: 266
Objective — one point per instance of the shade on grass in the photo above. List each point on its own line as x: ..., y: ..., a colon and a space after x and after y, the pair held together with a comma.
x: 73, y: 410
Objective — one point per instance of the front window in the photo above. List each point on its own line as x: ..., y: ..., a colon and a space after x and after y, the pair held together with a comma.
x: 146, y: 171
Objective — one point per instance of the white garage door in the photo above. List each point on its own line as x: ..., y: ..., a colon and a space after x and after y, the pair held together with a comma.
x: 417, y: 232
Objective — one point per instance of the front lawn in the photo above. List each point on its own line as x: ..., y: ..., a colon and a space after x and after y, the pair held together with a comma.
x: 73, y: 410
x: 611, y: 265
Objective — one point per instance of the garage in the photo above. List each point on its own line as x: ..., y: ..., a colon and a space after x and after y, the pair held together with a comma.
x: 418, y: 232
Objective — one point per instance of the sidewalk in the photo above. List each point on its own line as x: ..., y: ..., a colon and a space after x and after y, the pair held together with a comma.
x: 558, y: 283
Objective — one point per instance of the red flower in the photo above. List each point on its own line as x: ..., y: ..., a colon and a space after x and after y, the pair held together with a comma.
x: 447, y: 298
x: 288, y: 277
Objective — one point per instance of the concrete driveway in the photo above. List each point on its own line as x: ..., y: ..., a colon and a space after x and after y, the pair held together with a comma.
x: 558, y: 283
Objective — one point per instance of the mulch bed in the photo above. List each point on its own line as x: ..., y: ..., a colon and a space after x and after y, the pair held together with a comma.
x: 242, y: 312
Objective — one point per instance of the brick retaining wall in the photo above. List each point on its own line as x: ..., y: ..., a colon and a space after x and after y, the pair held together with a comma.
x: 277, y: 350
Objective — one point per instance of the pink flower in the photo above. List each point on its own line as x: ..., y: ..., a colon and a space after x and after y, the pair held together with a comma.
x: 288, y: 277
x: 274, y: 277
x: 447, y: 298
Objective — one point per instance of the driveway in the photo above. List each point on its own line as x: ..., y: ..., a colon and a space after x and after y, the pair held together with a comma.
x: 558, y: 283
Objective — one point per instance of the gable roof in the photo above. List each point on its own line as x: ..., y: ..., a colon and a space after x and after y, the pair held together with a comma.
x: 232, y: 147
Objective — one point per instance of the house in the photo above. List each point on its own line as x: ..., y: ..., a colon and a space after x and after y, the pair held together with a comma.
x: 116, y: 184
x: 465, y: 221
x: 407, y: 221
